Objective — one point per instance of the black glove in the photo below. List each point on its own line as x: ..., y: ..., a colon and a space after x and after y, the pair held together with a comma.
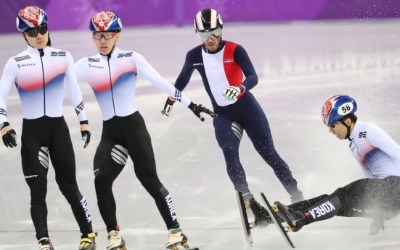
x: 197, y: 109
x: 85, y: 137
x: 10, y: 138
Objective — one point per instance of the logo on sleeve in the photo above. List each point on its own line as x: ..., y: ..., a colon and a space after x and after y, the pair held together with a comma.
x: 129, y: 54
x: 60, y: 53
x: 21, y: 58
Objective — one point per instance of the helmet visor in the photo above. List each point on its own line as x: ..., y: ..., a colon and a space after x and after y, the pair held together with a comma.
x: 209, y: 34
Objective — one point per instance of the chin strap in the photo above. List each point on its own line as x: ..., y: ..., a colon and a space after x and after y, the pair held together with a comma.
x: 348, y: 130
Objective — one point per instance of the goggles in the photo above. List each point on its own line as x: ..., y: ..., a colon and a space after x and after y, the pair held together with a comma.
x: 106, y: 35
x: 33, y: 32
x: 209, y: 34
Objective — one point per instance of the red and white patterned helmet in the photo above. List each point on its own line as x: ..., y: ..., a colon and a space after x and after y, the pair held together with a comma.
x: 105, y: 21
x: 30, y: 17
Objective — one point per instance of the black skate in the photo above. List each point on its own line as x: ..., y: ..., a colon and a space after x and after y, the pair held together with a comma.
x: 295, y: 219
x: 262, y: 218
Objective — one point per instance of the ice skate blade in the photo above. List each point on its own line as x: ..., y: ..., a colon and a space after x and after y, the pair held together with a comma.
x: 119, y: 248
x: 177, y: 248
x: 184, y: 245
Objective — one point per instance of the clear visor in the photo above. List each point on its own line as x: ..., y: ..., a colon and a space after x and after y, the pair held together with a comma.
x: 212, y: 34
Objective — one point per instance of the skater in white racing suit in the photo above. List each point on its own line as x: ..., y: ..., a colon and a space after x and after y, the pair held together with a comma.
x: 112, y: 74
x: 40, y: 74
x: 377, y: 196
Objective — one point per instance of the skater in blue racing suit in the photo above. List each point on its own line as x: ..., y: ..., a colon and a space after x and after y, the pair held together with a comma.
x: 228, y: 76
x: 112, y: 74
x: 377, y: 196
x: 40, y: 74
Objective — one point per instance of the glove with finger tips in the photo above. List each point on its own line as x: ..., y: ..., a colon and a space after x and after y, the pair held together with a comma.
x: 233, y: 92
x: 85, y: 137
x: 10, y: 138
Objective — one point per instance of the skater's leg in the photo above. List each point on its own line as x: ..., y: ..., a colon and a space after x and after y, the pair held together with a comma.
x: 35, y: 164
x: 141, y: 151
x: 258, y: 130
x: 36, y: 178
x: 305, y: 204
x: 229, y: 135
x: 353, y: 200
x: 109, y: 161
x: 63, y: 159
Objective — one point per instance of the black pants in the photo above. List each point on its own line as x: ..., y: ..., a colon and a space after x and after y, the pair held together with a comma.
x: 123, y: 137
x: 42, y: 140
x: 370, y: 198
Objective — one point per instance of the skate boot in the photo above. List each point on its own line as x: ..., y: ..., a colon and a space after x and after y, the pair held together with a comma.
x: 88, y: 242
x: 175, y: 238
x: 115, y: 241
x: 45, y: 244
x: 295, y: 219
x: 262, y: 218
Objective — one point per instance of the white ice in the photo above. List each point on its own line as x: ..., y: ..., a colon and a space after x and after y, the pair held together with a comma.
x: 300, y: 65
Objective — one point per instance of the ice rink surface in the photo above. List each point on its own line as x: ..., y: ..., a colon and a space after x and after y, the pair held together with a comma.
x: 300, y: 65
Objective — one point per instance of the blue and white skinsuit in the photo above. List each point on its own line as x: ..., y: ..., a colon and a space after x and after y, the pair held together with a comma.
x: 40, y: 78
x: 113, y: 79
